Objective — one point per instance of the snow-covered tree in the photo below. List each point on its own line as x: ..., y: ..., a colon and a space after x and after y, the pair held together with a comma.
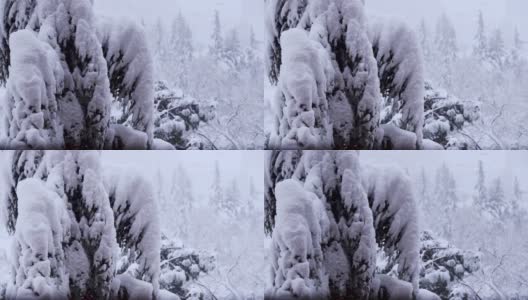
x: 181, y: 202
x: 517, y: 211
x: 80, y: 69
x: 446, y: 118
x: 131, y: 82
x: 253, y: 194
x: 480, y: 48
x: 480, y: 199
x: 178, y: 118
x: 517, y: 42
x: 516, y: 59
x: 401, y: 75
x: 323, y: 207
x: 518, y: 194
x: 446, y: 197
x: 39, y: 264
x: 253, y: 42
x: 84, y: 219
x: 158, y: 36
x: 331, y: 70
x: 446, y: 49
x: 179, y: 52
x: 136, y: 222
x: 231, y: 203
x: 497, y: 49
x: 232, y: 49
x: 497, y: 205
x: 181, y: 268
x: 424, y: 36
x: 217, y: 46
x: 16, y: 15
x: 216, y: 195
x: 424, y: 189
x: 76, y: 179
x: 444, y: 268
x: 23, y: 165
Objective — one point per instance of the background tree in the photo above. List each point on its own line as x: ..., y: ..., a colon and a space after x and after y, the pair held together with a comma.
x: 446, y: 197
x: 497, y: 206
x: 216, y: 195
x: 217, y: 46
x: 481, y: 194
x: 480, y: 48
x: 446, y: 49
x: 497, y: 52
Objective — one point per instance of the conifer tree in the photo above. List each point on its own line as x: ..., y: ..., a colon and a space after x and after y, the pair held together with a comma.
x: 78, y: 72
x: 480, y: 48
x: 84, y: 219
x: 325, y: 200
x: 446, y: 48
x: 217, y: 47
x: 351, y: 73
x: 480, y: 199
x: 216, y: 196
x: 446, y: 197
x: 497, y: 49
x: 497, y: 206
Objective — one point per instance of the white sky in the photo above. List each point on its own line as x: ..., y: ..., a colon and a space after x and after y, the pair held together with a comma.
x: 463, y: 164
x: 463, y: 13
x: 238, y: 165
x: 241, y: 14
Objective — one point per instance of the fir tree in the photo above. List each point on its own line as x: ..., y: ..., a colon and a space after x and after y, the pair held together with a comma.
x: 497, y: 206
x: 446, y: 197
x: 232, y: 49
x: 82, y: 68
x: 446, y: 48
x: 480, y: 199
x: 180, y: 52
x: 516, y: 210
x: 318, y: 197
x: 217, y: 47
x: 424, y: 191
x: 497, y: 49
x: 424, y: 38
x: 517, y: 42
x: 350, y: 78
x: 253, y: 42
x: 182, y: 201
x: 231, y: 203
x: 480, y: 48
x: 83, y: 218
x: 216, y: 196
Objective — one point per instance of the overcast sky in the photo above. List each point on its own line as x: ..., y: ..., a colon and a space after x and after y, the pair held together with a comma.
x: 463, y: 164
x: 463, y: 13
x: 241, y: 14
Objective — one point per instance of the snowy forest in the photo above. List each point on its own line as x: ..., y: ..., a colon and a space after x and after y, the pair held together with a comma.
x: 72, y: 77
x: 356, y: 75
x: 396, y: 225
x: 135, y: 225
